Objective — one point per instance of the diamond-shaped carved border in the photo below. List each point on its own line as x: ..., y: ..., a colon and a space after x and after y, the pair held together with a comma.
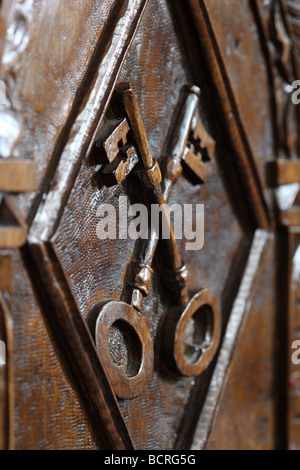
x: 62, y: 311
x: 63, y: 315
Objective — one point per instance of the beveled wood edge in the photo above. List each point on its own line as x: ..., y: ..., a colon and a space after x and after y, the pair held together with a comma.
x: 17, y: 175
x: 91, y: 381
x: 71, y: 158
x: 78, y: 136
x: 292, y: 36
x: 76, y: 346
x: 293, y: 235
x: 282, y: 171
x: 232, y: 117
x: 290, y: 217
x: 13, y: 236
x: 8, y: 325
x: 5, y: 11
x: 237, y: 317
x: 257, y: 11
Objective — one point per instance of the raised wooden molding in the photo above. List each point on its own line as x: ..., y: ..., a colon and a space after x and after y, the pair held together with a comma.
x: 17, y: 176
x: 291, y: 217
x: 293, y: 418
x: 73, y: 145
x: 243, y: 155
x: 283, y: 171
x: 77, y: 347
x: 7, y: 378
x: 236, y: 319
x: 284, y: 175
x: 13, y: 228
x: 116, y: 42
x: 64, y: 318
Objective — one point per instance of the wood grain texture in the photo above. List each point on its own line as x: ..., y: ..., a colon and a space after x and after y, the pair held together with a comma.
x: 51, y: 72
x: 82, y: 129
x: 293, y: 414
x: 236, y: 320
x: 7, y: 376
x: 245, y: 412
x: 48, y: 412
x: 101, y: 273
x: 81, y: 358
x: 13, y: 229
x: 128, y: 14
x: 78, y: 376
x: 17, y: 176
x: 117, y: 41
x: 209, y: 40
x: 283, y: 172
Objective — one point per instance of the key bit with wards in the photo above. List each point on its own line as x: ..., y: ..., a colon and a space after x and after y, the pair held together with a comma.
x: 189, y: 352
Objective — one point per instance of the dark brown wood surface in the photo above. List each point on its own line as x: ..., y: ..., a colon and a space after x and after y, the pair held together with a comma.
x: 94, y: 360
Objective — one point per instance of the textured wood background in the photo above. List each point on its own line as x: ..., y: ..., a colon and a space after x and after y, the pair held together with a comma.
x: 60, y: 77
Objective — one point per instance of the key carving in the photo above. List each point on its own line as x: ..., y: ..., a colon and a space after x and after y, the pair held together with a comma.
x: 121, y: 156
x: 199, y: 151
x: 191, y: 144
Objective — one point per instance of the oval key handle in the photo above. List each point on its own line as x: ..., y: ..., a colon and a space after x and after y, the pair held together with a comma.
x: 132, y: 380
x: 192, y: 336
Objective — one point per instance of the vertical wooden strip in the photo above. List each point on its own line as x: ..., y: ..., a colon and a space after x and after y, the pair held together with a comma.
x: 6, y: 378
x: 237, y: 316
x: 219, y: 77
x: 293, y: 419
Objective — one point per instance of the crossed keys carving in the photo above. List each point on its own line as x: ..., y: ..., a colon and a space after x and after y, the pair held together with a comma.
x: 189, y: 144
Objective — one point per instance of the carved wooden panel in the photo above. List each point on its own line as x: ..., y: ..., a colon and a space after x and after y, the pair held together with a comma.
x: 293, y: 335
x: 122, y: 343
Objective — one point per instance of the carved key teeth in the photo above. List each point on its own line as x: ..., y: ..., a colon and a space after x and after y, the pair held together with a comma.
x: 113, y: 146
x: 200, y: 150
x: 112, y: 138
x: 117, y: 171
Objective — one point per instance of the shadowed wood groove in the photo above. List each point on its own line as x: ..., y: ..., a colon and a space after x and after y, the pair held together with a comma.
x: 244, y: 157
x: 73, y: 339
